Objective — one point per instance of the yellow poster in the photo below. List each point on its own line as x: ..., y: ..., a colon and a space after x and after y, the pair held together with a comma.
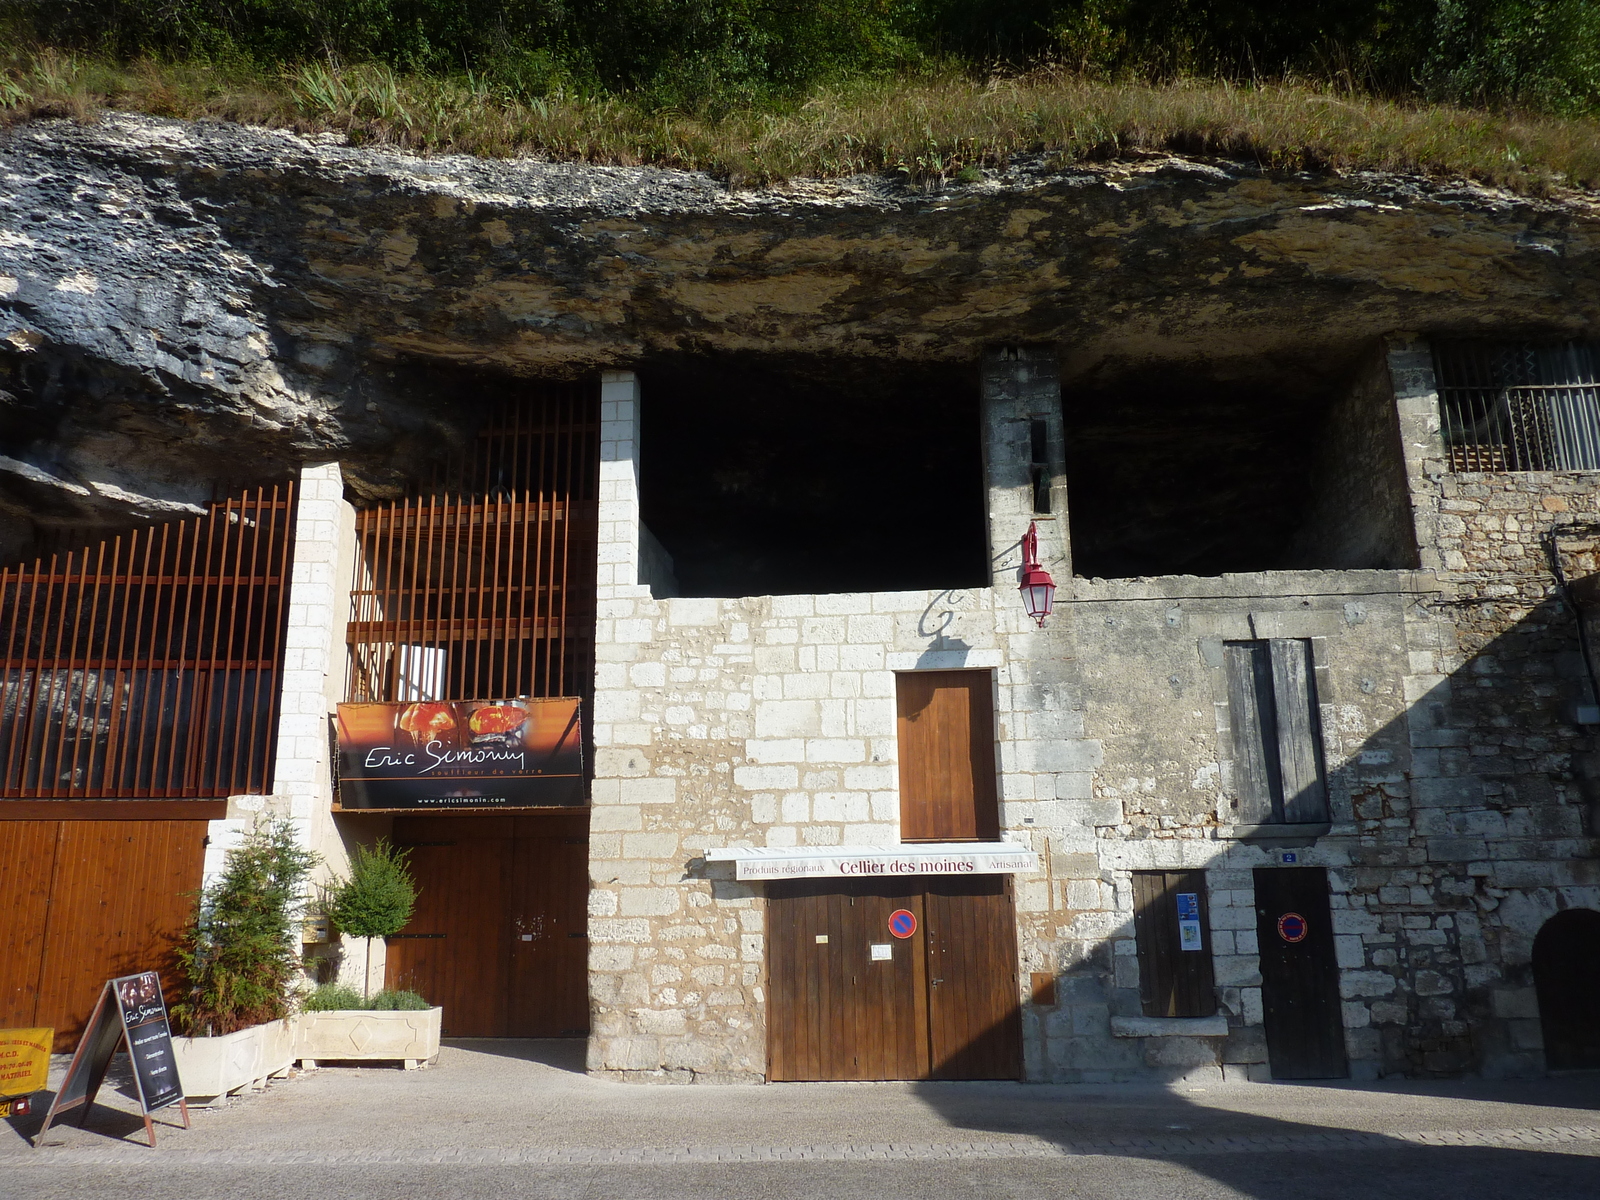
x: 24, y: 1060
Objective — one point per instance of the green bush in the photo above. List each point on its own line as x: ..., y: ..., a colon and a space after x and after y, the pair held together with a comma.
x: 397, y: 1001
x: 378, y: 897
x: 332, y: 997
x: 238, y: 957
x: 336, y: 997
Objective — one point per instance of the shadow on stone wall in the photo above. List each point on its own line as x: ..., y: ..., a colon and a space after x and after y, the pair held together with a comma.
x: 1457, y: 859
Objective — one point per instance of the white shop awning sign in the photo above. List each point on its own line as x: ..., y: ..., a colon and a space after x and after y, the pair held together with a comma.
x: 877, y: 862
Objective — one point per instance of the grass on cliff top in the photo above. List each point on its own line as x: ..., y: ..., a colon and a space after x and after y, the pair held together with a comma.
x: 925, y: 129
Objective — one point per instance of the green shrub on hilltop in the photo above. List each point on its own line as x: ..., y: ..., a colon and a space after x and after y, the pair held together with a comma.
x: 713, y: 55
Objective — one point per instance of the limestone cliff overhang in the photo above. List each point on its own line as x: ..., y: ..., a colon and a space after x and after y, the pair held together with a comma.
x: 180, y: 298
x: 877, y: 862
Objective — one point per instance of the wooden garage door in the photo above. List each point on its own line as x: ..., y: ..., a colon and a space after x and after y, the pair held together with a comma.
x: 500, y: 933
x: 86, y: 901
x: 941, y: 1004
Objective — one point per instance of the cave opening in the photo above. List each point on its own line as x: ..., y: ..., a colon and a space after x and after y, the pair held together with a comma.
x: 1209, y: 469
x: 765, y: 476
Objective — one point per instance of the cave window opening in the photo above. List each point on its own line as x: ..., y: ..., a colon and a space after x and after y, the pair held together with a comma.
x: 766, y: 476
x: 1210, y: 469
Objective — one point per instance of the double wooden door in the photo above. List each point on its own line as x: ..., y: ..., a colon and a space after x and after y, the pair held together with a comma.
x: 500, y: 932
x: 940, y: 1004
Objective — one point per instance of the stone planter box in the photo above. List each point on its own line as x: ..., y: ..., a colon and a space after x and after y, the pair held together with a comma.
x: 361, y: 1035
x: 210, y: 1068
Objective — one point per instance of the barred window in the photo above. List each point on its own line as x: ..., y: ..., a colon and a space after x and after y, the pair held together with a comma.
x: 1519, y: 407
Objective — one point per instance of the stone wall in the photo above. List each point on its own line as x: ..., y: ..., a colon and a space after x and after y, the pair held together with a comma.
x: 1456, y: 776
x: 770, y: 721
x: 1497, y: 840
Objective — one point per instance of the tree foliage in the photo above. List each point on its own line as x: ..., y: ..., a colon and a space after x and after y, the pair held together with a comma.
x: 239, y: 955
x: 710, y: 54
x: 379, y: 895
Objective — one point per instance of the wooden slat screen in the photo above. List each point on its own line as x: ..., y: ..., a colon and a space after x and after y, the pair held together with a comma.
x: 147, y: 665
x: 482, y: 587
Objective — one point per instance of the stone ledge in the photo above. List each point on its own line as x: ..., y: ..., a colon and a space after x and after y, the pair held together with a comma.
x: 1139, y: 1027
x: 1298, y: 830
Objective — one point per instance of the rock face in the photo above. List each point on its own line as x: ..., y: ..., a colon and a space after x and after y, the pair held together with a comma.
x: 185, y: 305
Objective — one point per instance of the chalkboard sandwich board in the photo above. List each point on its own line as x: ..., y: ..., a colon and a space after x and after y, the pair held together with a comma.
x: 130, y: 1010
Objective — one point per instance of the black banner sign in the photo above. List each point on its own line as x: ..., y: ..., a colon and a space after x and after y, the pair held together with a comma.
x: 445, y: 754
x: 132, y: 1010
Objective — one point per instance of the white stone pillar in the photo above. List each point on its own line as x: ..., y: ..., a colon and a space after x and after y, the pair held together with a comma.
x: 311, y: 683
x: 1416, y: 398
x: 619, y: 487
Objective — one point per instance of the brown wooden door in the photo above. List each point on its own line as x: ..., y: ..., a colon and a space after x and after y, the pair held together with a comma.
x: 1299, y: 974
x: 974, y: 1021
x: 454, y: 950
x: 27, y: 862
x: 549, y: 994
x: 836, y: 1012
x: 946, y: 747
x: 498, y: 899
x: 87, y: 901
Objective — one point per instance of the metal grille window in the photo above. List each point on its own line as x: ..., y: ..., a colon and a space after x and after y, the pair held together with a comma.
x: 1519, y: 407
x: 147, y: 665
x: 483, y: 586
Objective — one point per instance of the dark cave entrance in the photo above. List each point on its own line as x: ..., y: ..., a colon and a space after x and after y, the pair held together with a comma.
x: 1181, y: 469
x: 792, y: 476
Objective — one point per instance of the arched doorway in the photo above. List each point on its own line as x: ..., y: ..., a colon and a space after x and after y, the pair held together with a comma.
x: 1566, y: 973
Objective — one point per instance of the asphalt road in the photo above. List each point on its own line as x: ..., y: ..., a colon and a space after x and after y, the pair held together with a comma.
x: 519, y: 1119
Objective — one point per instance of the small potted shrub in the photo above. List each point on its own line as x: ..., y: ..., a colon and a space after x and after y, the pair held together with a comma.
x: 238, y: 961
x: 337, y: 1023
x: 376, y: 900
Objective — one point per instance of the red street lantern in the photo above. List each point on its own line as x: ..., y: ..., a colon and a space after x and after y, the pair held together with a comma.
x: 1038, y: 589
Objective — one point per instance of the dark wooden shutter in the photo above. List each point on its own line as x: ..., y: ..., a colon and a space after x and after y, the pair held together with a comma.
x: 946, y: 746
x: 1277, y: 737
x: 1255, y: 725
x: 1173, y: 982
x: 1305, y: 798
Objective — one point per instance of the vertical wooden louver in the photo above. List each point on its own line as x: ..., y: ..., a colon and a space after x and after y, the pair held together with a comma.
x: 482, y: 587
x: 147, y: 666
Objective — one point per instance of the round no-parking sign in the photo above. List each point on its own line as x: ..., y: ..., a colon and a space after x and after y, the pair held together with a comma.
x: 1292, y: 927
x: 902, y: 923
